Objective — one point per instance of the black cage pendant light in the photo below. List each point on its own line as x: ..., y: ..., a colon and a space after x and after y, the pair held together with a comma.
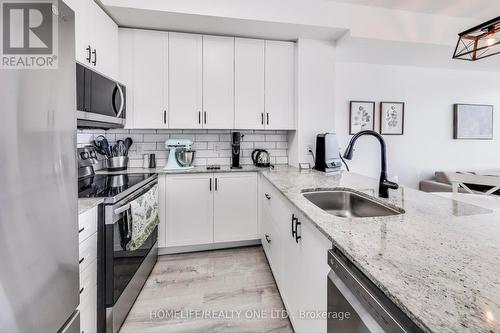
x: 479, y: 42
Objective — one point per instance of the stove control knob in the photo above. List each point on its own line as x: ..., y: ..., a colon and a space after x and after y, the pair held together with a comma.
x: 84, y: 155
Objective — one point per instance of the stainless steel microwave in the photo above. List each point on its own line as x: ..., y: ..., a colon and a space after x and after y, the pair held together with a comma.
x: 100, y: 101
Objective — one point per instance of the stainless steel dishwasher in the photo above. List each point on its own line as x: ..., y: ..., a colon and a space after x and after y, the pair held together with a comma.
x: 356, y: 305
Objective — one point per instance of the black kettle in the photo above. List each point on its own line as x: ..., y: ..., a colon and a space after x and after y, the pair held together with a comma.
x: 261, y: 158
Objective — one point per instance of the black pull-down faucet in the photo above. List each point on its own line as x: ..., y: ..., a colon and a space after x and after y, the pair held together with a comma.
x: 384, y: 184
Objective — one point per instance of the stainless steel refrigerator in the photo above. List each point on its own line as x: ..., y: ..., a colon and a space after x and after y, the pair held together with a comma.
x: 39, y: 275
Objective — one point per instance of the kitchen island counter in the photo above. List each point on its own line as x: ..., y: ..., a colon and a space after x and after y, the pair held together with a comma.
x: 439, y: 261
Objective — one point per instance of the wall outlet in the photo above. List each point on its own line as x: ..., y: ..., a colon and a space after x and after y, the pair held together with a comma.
x: 216, y: 147
x: 310, y: 148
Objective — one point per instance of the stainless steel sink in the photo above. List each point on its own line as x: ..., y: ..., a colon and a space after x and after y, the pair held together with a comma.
x: 345, y: 203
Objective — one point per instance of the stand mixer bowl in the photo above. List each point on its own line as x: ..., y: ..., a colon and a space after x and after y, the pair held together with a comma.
x: 184, y: 157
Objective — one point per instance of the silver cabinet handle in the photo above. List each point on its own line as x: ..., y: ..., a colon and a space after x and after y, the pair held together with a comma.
x: 268, y: 238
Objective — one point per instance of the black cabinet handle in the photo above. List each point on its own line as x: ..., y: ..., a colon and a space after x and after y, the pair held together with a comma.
x: 268, y: 239
x: 262, y: 118
x: 210, y: 184
x: 164, y: 116
x: 297, y: 237
x: 81, y: 260
x: 216, y: 183
x: 89, y: 50
x: 79, y: 231
x: 267, y: 116
x: 199, y: 117
x: 81, y: 290
x: 268, y: 197
x: 294, y: 219
x: 205, y: 117
x: 94, y: 53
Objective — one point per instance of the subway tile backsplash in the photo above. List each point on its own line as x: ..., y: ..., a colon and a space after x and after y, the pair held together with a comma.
x: 212, y: 146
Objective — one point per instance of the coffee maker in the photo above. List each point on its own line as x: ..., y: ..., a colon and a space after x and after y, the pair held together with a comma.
x: 327, y: 153
x: 236, y: 150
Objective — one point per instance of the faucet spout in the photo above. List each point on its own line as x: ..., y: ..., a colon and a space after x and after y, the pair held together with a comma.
x: 384, y: 183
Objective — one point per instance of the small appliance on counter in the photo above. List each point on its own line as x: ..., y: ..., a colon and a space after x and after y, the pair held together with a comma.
x: 327, y: 157
x: 261, y: 158
x: 181, y: 155
x: 236, y: 150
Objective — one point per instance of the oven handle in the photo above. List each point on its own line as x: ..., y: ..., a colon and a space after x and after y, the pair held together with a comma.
x: 122, y: 209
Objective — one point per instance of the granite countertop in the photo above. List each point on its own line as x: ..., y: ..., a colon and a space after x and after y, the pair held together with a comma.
x: 84, y: 204
x: 439, y: 262
x: 197, y: 169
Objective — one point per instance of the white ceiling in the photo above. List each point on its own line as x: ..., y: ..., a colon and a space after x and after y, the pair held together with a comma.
x: 162, y: 20
x: 476, y: 9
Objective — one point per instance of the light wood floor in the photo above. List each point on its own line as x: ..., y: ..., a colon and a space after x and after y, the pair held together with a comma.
x: 237, y: 282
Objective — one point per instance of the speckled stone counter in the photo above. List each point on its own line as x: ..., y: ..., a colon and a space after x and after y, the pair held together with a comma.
x: 198, y: 169
x: 439, y: 262
x: 85, y: 204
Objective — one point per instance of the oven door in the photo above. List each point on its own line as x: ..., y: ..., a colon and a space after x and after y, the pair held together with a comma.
x: 121, y: 264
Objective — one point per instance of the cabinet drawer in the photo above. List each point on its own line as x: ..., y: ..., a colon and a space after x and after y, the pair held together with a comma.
x: 87, y: 224
x: 88, y: 310
x: 88, y: 252
x: 275, y: 203
x: 88, y: 276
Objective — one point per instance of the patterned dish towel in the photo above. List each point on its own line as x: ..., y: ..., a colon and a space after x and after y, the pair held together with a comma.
x: 143, y: 218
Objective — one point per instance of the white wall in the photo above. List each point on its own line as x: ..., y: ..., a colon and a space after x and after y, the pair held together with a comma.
x: 429, y: 94
x: 315, y: 102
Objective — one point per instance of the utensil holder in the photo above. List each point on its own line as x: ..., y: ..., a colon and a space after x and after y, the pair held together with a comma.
x: 117, y: 163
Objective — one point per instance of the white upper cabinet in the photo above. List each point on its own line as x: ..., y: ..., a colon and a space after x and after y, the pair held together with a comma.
x: 249, y: 84
x: 218, y: 82
x: 150, y: 79
x: 280, y: 85
x: 185, y: 80
x: 190, y: 81
x: 96, y: 37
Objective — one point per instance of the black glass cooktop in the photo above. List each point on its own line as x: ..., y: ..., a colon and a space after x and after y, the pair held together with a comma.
x: 104, y: 186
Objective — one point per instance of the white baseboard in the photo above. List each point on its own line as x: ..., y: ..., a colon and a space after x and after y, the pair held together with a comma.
x: 206, y: 247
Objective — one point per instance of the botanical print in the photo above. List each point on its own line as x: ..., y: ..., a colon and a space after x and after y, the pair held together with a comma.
x: 141, y: 220
x: 362, y: 116
x: 473, y: 121
x: 391, y: 118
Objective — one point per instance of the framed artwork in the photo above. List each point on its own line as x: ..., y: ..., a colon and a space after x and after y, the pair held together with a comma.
x: 472, y: 122
x: 361, y: 116
x: 392, y: 118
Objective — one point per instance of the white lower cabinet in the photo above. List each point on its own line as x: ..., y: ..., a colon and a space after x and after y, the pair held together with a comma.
x: 298, y: 261
x: 235, y: 207
x: 87, y: 232
x: 189, y: 209
x: 200, y: 209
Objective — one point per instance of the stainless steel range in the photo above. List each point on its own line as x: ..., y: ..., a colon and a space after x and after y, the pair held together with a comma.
x: 121, y: 272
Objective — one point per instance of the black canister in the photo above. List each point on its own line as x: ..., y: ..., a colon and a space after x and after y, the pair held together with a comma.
x: 152, y: 161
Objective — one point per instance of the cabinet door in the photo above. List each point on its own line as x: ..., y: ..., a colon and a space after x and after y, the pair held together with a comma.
x: 235, y: 207
x: 150, y: 79
x: 185, y: 80
x: 280, y: 85
x: 104, y: 41
x: 82, y: 19
x: 189, y: 209
x: 272, y: 242
x: 249, y: 83
x: 218, y: 82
